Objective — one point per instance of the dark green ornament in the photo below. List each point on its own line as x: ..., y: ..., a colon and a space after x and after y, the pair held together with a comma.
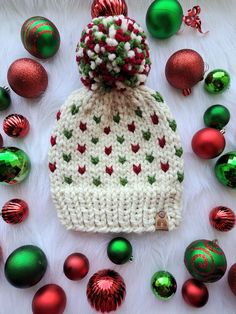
x: 119, y: 251
x: 217, y: 81
x: 26, y: 266
x: 217, y: 117
x: 5, y: 99
x: 225, y: 169
x: 163, y: 285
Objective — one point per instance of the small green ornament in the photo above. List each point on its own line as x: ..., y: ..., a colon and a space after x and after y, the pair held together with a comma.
x: 26, y: 266
x: 217, y: 117
x: 163, y: 285
x: 164, y: 18
x: 5, y: 99
x: 217, y: 81
x: 119, y: 251
x: 225, y: 169
x: 14, y: 165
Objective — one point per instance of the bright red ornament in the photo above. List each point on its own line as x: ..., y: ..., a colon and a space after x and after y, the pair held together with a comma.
x: 76, y: 266
x: 50, y: 299
x: 184, y: 69
x: 208, y: 143
x: 109, y: 7
x: 16, y: 125
x: 27, y: 78
x: 106, y: 291
x: 15, y: 211
x: 232, y: 278
x: 222, y: 218
x: 195, y: 293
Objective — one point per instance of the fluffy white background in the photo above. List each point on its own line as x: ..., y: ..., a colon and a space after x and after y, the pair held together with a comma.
x: 152, y: 252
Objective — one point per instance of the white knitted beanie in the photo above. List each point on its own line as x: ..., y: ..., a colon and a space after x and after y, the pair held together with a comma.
x: 116, y: 159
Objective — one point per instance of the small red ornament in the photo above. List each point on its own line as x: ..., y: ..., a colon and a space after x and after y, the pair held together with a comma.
x: 76, y: 266
x: 184, y: 69
x: 50, y: 299
x: 222, y: 218
x: 232, y: 278
x: 15, y: 211
x: 106, y: 291
x: 208, y: 143
x: 16, y: 125
x: 27, y: 78
x: 1, y: 141
x: 109, y: 7
x: 195, y: 293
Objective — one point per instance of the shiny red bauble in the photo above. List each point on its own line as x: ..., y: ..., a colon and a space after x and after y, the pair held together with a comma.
x: 50, y: 299
x: 232, y: 279
x: 16, y: 125
x: 184, y: 69
x: 222, y: 218
x: 108, y: 7
x: 76, y: 266
x: 195, y: 293
x: 15, y: 211
x: 27, y: 78
x: 208, y: 143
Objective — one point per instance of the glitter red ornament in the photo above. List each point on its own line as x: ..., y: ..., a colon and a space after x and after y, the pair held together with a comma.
x: 15, y: 211
x: 27, y: 78
x: 76, y: 266
x: 184, y: 69
x: 195, y: 293
x: 232, y: 278
x: 16, y: 125
x: 222, y: 218
x: 109, y: 7
x: 106, y: 290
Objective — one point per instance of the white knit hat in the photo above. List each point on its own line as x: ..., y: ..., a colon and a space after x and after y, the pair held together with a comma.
x: 116, y: 159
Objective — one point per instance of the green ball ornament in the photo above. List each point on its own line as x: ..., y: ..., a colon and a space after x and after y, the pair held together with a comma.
x: 14, y: 165
x: 205, y: 261
x: 164, y: 18
x: 225, y: 169
x: 5, y: 99
x: 26, y: 266
x: 217, y: 81
x: 119, y: 251
x: 217, y: 117
x: 163, y: 285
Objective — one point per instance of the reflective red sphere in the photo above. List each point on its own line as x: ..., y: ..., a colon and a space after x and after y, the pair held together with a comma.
x: 16, y: 125
x: 109, y: 7
x: 232, y: 279
x: 195, y: 293
x: 15, y: 211
x: 76, y: 266
x: 222, y: 218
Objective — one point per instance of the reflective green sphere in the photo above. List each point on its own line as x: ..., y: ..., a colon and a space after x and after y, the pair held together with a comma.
x: 119, y: 251
x: 217, y: 81
x: 163, y: 285
x: 5, y: 99
x: 217, y: 117
x: 225, y: 169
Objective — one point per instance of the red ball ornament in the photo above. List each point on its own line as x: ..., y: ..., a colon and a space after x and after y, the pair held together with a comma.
x: 15, y: 211
x: 109, y: 7
x: 50, y: 299
x: 184, y: 69
x: 76, y: 266
x: 208, y: 143
x: 16, y: 125
x: 195, y: 293
x: 106, y: 291
x: 222, y: 218
x: 27, y: 78
x: 232, y: 279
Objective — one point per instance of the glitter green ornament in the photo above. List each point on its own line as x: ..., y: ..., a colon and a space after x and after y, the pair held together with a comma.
x: 119, y: 251
x: 5, y: 99
x: 225, y: 169
x: 217, y: 117
x: 217, y: 81
x: 14, y: 165
x: 163, y: 285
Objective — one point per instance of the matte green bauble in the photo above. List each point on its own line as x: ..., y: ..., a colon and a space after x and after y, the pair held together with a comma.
x: 164, y: 18
x: 217, y: 81
x: 205, y: 261
x: 14, y: 165
x: 26, y: 266
x: 225, y: 169
x: 217, y: 117
x: 163, y: 285
x: 119, y: 251
x: 5, y: 99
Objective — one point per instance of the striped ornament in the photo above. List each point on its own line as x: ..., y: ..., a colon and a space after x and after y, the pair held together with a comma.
x: 15, y: 211
x: 222, y: 218
x: 16, y: 125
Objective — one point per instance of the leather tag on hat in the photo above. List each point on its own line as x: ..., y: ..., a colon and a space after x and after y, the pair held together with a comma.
x: 162, y: 221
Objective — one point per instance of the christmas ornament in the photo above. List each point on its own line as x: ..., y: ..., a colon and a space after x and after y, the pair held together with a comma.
x: 76, y: 266
x: 5, y: 99
x: 222, y: 218
x: 208, y: 143
x: 205, y: 260
x: 184, y: 69
x: 217, y: 81
x: 193, y: 20
x: 108, y: 7
x: 1, y: 141
x: 217, y: 117
x: 225, y: 169
x: 14, y: 165
x: 50, y: 299
x: 119, y: 251
x: 26, y: 266
x: 16, y: 125
x: 163, y: 285
x: 106, y: 291
x: 195, y: 293
x: 232, y: 279
x: 15, y: 211
x: 27, y: 78
x: 164, y: 18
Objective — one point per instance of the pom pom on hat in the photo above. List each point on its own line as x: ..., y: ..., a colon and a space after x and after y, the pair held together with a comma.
x: 113, y: 53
